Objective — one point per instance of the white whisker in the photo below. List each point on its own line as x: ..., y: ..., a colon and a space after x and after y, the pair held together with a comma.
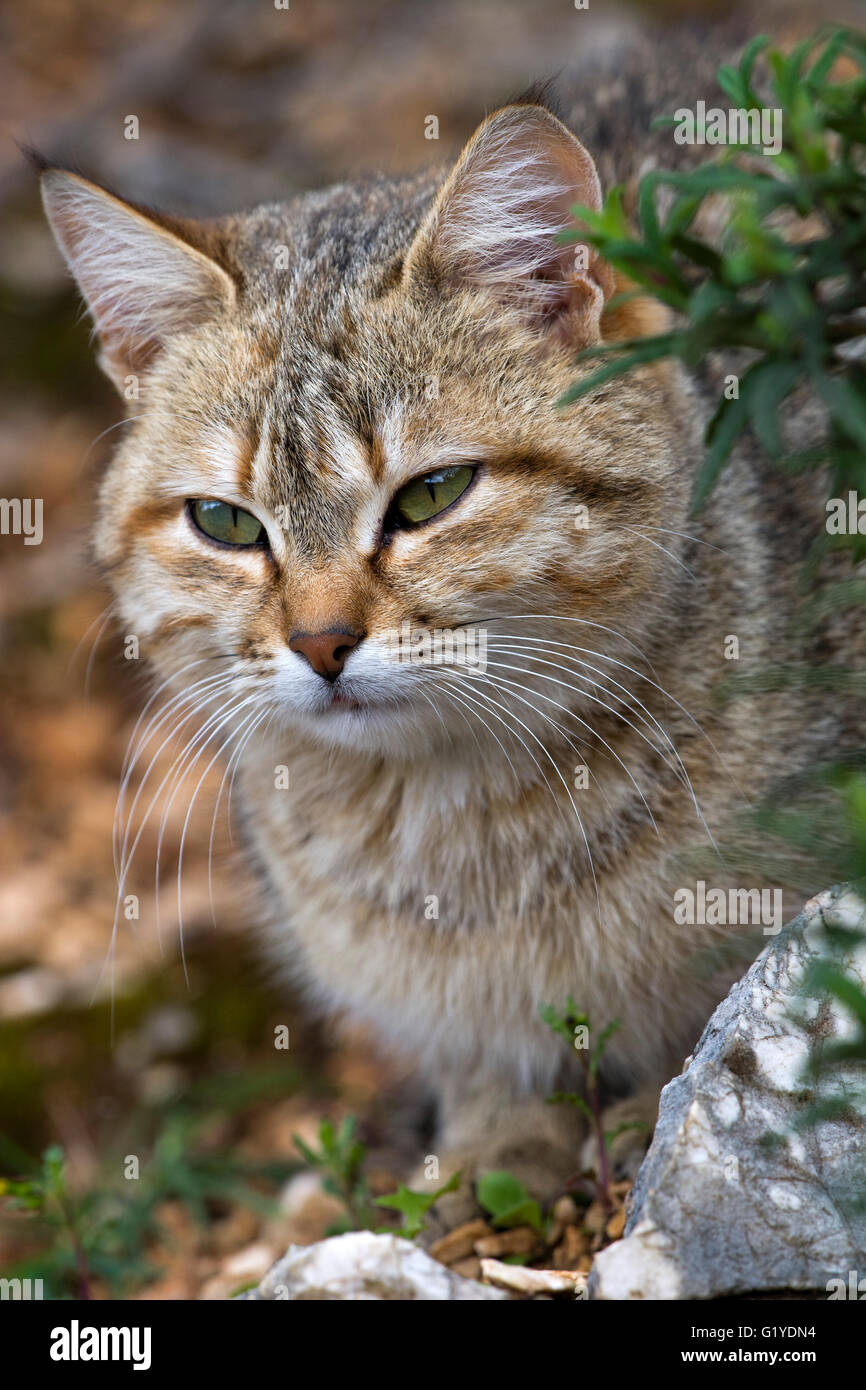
x: 670, y: 554
x: 647, y: 720
x: 246, y: 728
x: 601, y: 656
x: 516, y: 685
x: 558, y: 773
x: 183, y: 764
x: 201, y: 693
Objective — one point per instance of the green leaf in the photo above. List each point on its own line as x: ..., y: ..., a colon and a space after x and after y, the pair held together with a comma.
x: 648, y: 350
x: 327, y: 1137
x: 571, y: 1098
x: 611, y: 1134
x: 764, y: 388
x: 604, y: 1038
x: 820, y: 69
x: 415, y: 1205
x: 847, y: 406
x: 731, y: 82
x: 750, y: 55
x: 724, y: 430
x: 556, y: 1022
x: 305, y: 1151
x: 508, y: 1203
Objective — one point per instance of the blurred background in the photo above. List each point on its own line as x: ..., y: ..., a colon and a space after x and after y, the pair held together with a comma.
x: 237, y: 101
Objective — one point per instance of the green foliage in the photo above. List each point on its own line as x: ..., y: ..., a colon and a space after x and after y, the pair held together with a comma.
x: 45, y: 1195
x: 37, y: 1192
x: 414, y: 1206
x: 565, y: 1026
x: 783, y: 289
x: 105, y: 1231
x: 790, y: 296
x: 834, y: 1077
x: 831, y: 979
x: 507, y: 1201
x: 340, y: 1157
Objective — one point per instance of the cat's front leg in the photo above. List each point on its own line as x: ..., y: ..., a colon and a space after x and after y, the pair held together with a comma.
x: 485, y: 1127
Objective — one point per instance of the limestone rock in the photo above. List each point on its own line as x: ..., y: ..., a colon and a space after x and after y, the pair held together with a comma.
x: 733, y: 1197
x: 364, y: 1266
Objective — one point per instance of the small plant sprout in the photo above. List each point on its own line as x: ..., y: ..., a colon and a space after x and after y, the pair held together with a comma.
x: 340, y: 1157
x: 566, y: 1025
x: 414, y: 1206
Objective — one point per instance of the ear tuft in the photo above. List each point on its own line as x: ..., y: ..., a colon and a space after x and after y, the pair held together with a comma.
x: 37, y: 161
x: 494, y: 225
x: 142, y: 283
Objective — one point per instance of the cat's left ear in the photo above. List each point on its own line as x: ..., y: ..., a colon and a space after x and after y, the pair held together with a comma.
x: 143, y: 280
x: 494, y: 222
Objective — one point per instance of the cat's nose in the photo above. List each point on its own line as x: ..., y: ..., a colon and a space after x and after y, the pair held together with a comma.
x: 325, y: 651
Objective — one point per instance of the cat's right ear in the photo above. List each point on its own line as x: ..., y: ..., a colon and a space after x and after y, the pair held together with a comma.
x: 142, y: 281
x: 493, y: 225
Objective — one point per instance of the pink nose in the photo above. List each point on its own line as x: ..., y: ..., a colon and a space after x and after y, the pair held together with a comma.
x: 325, y: 651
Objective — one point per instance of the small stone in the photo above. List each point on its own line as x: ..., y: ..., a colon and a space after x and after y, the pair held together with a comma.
x: 566, y: 1210
x: 519, y: 1279
x: 595, y: 1218
x: 470, y: 1268
x: 554, y: 1233
x: 460, y: 1242
x: 574, y: 1243
x: 616, y: 1225
x: 250, y: 1263
x: 521, y: 1240
x: 217, y: 1289
x: 306, y: 1211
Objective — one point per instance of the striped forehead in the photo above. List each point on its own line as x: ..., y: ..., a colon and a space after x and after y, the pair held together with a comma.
x: 318, y: 451
x: 313, y: 472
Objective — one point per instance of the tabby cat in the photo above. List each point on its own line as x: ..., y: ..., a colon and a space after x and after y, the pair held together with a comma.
x: 345, y: 430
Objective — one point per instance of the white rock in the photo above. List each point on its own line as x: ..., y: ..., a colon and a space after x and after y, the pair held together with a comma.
x: 518, y: 1279
x: 362, y: 1266
x: 731, y: 1198
x: 640, y: 1267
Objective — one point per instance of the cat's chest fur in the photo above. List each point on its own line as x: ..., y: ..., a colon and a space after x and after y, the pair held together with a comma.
x: 443, y: 906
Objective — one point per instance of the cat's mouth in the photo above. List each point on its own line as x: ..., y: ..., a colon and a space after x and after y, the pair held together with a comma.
x: 345, y: 702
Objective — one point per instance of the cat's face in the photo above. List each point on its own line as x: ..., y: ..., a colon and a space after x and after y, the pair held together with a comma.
x: 352, y: 439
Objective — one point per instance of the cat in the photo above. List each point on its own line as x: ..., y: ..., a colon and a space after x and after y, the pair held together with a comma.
x: 346, y: 429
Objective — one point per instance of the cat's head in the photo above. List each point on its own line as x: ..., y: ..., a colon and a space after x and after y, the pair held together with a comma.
x: 344, y: 420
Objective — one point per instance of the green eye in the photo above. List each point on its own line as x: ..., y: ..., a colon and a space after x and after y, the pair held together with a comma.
x: 426, y: 497
x: 225, y: 523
